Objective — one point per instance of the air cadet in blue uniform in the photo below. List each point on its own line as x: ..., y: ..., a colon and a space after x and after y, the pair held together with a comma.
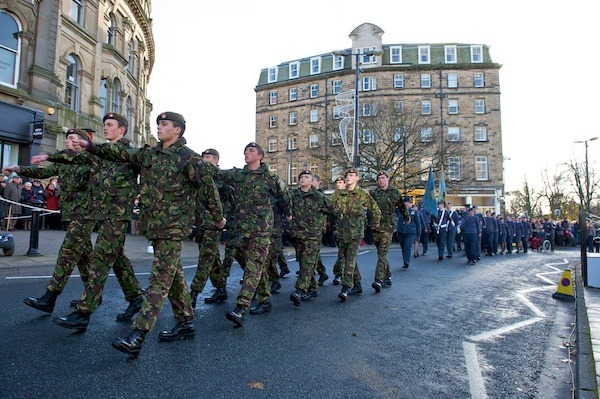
x: 408, y: 231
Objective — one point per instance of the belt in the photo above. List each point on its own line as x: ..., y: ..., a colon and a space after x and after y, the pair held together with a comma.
x: 443, y: 226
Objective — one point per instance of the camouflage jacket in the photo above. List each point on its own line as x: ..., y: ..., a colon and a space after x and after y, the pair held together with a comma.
x: 351, y: 208
x: 113, y: 184
x: 309, y: 212
x: 75, y: 197
x: 389, y: 200
x: 205, y: 201
x: 253, y: 189
x: 169, y: 182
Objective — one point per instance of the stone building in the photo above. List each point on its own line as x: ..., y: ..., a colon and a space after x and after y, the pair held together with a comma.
x: 454, y: 87
x: 66, y: 63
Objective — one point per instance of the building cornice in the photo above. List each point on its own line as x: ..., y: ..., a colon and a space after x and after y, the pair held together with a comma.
x: 145, y: 24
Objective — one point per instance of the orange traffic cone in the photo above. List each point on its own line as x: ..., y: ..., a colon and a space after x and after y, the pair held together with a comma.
x: 564, y: 290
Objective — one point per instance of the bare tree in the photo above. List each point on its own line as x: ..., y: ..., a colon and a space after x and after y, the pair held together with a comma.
x: 396, y: 140
x: 554, y: 190
x: 585, y: 183
x: 526, y: 201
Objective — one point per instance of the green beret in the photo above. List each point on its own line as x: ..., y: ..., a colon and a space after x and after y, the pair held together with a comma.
x: 119, y: 118
x: 352, y: 170
x: 170, y: 116
x: 79, y: 132
x: 305, y: 172
x: 210, y: 151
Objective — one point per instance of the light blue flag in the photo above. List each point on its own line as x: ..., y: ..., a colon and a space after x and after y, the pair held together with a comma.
x: 429, y: 202
x: 442, y: 188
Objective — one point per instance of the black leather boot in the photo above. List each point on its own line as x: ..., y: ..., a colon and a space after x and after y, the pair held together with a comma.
x: 220, y: 295
x: 262, y: 307
x: 45, y: 303
x: 76, y: 320
x: 236, y: 315
x: 343, y: 295
x: 132, y: 309
x: 296, y: 297
x: 132, y: 345
x: 182, y: 330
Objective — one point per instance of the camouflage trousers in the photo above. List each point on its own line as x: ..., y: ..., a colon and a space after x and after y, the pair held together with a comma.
x: 347, y: 254
x: 253, y: 252
x: 166, y: 280
x: 209, y: 259
x: 308, y: 255
x: 276, y: 256
x: 109, y: 252
x: 231, y: 254
x: 74, y: 252
x: 382, y: 241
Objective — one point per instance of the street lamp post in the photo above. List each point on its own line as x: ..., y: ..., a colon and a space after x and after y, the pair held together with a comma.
x: 583, y: 213
x: 368, y: 53
x: 587, y: 174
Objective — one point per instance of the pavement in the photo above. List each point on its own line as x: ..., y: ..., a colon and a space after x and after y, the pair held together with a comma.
x: 587, y: 299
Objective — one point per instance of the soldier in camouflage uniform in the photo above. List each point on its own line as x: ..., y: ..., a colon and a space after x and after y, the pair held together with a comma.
x: 389, y: 200
x: 208, y: 238
x: 351, y: 205
x: 254, y: 186
x: 170, y: 175
x: 309, y: 210
x: 114, y: 186
x: 340, y: 184
x: 75, y: 206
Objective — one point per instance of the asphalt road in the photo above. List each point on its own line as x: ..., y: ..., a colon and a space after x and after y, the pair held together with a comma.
x: 443, y: 330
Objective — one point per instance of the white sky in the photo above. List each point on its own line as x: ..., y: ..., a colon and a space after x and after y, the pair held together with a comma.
x: 209, y: 55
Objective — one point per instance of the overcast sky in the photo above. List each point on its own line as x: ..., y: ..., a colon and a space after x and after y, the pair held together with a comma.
x: 209, y: 56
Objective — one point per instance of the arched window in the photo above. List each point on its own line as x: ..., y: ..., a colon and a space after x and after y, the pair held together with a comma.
x: 131, y: 59
x: 9, y: 50
x: 112, y: 30
x: 128, y: 112
x: 116, y: 96
x: 72, y: 83
x: 104, y: 95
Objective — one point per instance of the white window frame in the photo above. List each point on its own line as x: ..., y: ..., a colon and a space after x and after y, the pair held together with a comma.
x: 450, y: 54
x: 481, y: 168
x: 399, y: 106
x: 453, y: 133
x: 272, y: 145
x: 272, y: 98
x: 294, y: 70
x: 426, y: 134
x: 272, y: 74
x: 11, y: 54
x: 273, y: 121
x: 273, y: 168
x: 368, y: 136
x: 313, y: 141
x: 314, y: 115
x: 398, y: 81
x: 293, y: 95
x: 476, y: 54
x: 292, y: 143
x: 336, y: 112
x: 480, y: 133
x: 293, y: 173
x: 395, y: 54
x: 336, y: 138
x: 77, y: 11
x: 315, y: 65
x: 111, y: 32
x: 293, y: 118
x: 116, y: 96
x: 338, y: 62
x: 454, y: 168
x: 479, y: 106
x: 478, y: 79
x: 452, y: 107
x: 426, y: 107
x: 424, y: 54
x: 367, y: 59
x: 425, y: 163
x: 336, y: 86
x: 425, y: 81
x: 314, y: 90
x: 366, y: 109
x: 452, y: 80
x: 73, y: 83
